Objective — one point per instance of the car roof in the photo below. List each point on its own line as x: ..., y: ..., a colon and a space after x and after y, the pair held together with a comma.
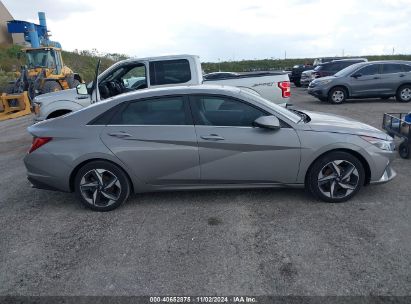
x: 176, y: 90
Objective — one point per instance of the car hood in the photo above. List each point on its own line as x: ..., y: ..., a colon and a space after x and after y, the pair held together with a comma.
x: 325, y: 122
x: 70, y: 94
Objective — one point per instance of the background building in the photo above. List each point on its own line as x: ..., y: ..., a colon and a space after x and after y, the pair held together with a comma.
x: 5, y: 37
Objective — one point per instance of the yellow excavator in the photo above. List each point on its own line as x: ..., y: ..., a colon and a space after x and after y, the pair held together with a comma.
x: 43, y: 71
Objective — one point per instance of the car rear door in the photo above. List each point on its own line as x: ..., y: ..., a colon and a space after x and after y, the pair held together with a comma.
x: 156, y: 139
x: 233, y: 151
x: 366, y: 81
x: 391, y: 77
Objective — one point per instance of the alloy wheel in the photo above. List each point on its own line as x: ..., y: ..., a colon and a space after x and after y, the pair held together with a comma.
x: 100, y: 187
x: 338, y: 179
x: 406, y: 94
x: 338, y: 96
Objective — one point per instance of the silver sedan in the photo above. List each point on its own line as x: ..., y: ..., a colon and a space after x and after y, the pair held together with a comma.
x: 203, y: 137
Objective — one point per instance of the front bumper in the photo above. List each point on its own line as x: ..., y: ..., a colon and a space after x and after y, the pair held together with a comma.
x: 388, y: 175
x: 317, y: 92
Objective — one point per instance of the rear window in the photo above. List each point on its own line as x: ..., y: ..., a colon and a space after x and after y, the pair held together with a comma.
x: 169, y: 72
x: 157, y: 111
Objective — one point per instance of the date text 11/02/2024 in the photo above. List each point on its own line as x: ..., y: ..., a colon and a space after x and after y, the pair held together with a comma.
x: 205, y: 299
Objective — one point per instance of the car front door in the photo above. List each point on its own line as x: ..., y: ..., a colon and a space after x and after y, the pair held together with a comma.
x: 233, y: 151
x: 156, y: 139
x: 366, y: 81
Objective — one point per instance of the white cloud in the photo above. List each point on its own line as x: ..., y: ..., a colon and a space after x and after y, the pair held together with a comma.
x: 225, y: 29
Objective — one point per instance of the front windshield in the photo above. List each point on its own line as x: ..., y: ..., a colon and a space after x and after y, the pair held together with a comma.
x: 348, y: 70
x: 279, y: 109
x: 40, y: 59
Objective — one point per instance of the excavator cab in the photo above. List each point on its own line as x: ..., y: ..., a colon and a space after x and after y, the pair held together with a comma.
x: 44, y: 58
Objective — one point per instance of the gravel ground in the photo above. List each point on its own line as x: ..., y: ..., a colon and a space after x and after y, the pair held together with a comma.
x: 252, y: 242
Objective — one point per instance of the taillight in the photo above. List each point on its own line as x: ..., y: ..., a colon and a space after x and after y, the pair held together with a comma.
x: 38, y: 142
x: 285, y: 88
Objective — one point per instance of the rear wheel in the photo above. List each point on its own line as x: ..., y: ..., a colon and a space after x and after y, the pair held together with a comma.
x: 337, y: 95
x: 102, y: 186
x: 51, y: 86
x: 335, y: 177
x: 404, y: 150
x: 404, y: 93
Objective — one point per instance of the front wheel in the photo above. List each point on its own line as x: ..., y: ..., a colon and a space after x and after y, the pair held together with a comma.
x: 337, y: 95
x: 102, y: 186
x: 335, y: 177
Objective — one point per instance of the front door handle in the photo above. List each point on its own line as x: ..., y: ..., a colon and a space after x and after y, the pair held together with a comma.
x: 212, y: 137
x: 402, y: 75
x: 376, y: 78
x: 120, y: 134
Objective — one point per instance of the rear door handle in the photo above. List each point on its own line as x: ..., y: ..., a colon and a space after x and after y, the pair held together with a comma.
x: 120, y: 134
x: 212, y: 137
x: 376, y: 78
x: 402, y: 75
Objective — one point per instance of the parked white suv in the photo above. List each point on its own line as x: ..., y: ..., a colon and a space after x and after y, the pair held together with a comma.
x: 136, y: 74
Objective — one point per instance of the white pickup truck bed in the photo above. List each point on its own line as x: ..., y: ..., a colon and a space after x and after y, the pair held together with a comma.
x: 265, y: 84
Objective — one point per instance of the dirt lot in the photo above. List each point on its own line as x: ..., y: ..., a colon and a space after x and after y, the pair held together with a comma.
x: 250, y: 242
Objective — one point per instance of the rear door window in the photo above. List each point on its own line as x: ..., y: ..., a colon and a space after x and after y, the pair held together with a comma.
x: 389, y: 68
x: 170, y: 72
x: 157, y: 111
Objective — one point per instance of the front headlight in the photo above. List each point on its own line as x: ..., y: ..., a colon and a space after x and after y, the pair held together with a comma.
x: 323, y: 82
x: 387, y: 145
x: 36, y: 106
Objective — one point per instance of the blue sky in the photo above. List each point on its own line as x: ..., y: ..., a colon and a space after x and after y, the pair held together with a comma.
x: 226, y: 30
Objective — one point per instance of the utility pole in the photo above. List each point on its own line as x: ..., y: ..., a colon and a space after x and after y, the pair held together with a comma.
x: 285, y: 54
x: 219, y: 67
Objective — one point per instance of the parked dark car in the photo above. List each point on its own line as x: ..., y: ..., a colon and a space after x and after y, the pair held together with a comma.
x: 383, y: 79
x: 295, y: 75
x: 330, y: 68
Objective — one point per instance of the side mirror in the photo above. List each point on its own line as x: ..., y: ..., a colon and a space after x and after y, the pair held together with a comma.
x: 267, y: 122
x: 82, y: 89
x: 356, y: 75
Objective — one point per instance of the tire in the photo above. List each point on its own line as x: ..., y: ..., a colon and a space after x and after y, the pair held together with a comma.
x: 101, y: 186
x: 331, y: 185
x: 337, y: 95
x: 404, y: 93
x: 51, y: 86
x: 404, y: 150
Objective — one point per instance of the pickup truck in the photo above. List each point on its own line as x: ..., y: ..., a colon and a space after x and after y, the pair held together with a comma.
x: 136, y: 74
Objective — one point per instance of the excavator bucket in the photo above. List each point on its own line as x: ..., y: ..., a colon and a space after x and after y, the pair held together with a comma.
x: 14, y: 105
